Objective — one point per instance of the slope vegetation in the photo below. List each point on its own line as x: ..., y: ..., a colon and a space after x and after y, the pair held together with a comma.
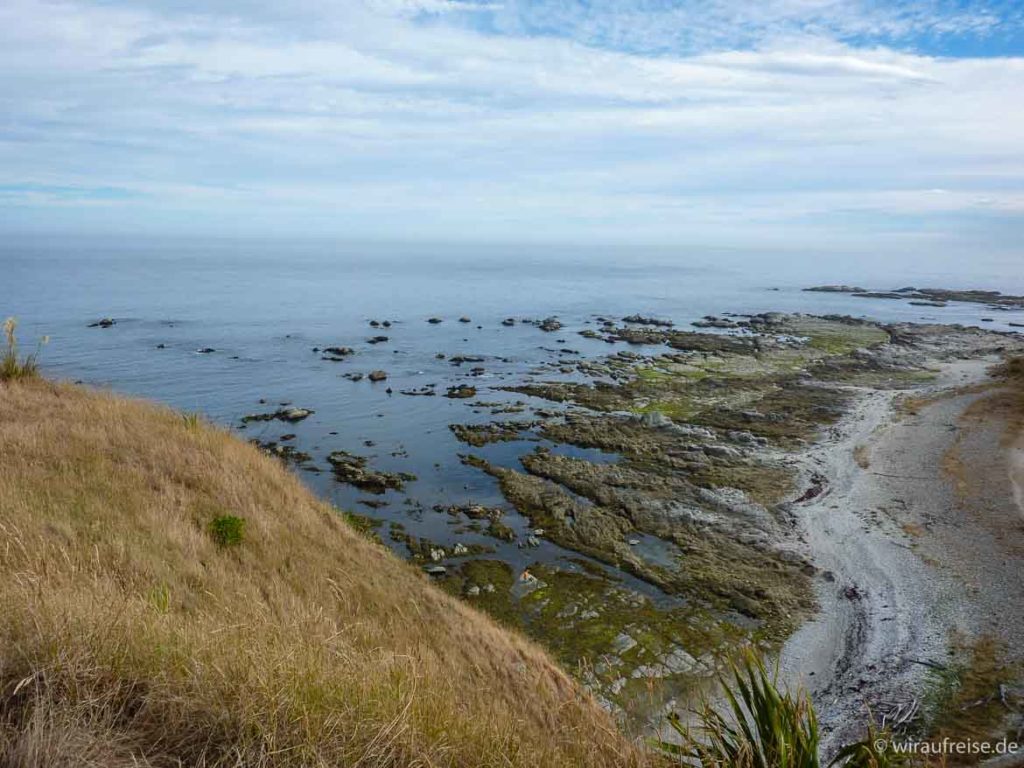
x: 173, y: 597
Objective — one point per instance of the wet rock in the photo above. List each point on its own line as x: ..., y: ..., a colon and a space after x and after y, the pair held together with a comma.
x: 377, y: 340
x: 352, y: 469
x: 339, y: 352
x: 461, y: 392
x: 434, y: 320
x: 465, y: 319
x: 283, y: 414
x: 472, y: 511
x: 508, y: 322
x: 106, y: 322
x: 353, y: 376
x: 641, y: 320
x: 377, y: 375
x: 205, y: 350
x: 836, y: 289
x: 424, y: 391
x: 550, y: 324
x: 460, y: 359
x: 494, y: 432
x: 711, y: 321
x: 286, y: 453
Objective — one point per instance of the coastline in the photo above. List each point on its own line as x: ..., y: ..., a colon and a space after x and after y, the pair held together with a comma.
x: 924, y: 564
x: 693, y: 493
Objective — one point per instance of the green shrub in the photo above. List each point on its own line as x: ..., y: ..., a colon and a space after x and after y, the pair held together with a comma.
x: 227, y: 530
x: 763, y: 727
x: 11, y: 365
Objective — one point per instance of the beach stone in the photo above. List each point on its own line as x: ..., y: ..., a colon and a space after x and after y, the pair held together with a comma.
x: 623, y: 643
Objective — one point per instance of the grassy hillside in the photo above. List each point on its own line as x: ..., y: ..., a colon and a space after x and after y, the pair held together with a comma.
x: 137, y: 630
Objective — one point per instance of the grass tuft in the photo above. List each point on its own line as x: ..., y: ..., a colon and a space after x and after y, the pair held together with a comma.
x: 12, y: 365
x: 227, y: 530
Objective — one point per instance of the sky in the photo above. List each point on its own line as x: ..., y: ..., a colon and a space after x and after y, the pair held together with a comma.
x: 849, y: 124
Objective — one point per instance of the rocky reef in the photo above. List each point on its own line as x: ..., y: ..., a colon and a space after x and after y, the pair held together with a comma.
x: 694, y: 495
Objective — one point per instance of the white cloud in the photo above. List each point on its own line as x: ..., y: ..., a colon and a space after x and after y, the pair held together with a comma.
x: 374, y: 114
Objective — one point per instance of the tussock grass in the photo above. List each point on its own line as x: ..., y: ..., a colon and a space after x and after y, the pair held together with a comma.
x: 129, y: 637
x: 12, y: 365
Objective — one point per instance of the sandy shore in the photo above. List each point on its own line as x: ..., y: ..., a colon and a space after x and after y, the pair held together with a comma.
x: 919, y: 538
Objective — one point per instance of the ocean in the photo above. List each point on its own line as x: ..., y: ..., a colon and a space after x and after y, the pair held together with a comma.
x: 263, y: 306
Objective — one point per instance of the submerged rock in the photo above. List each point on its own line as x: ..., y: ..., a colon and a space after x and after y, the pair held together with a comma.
x: 352, y: 469
x: 461, y: 392
x: 282, y: 414
x: 106, y: 322
x: 641, y: 320
x: 339, y: 352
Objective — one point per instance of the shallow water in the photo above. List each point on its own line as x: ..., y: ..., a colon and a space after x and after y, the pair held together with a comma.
x: 263, y: 308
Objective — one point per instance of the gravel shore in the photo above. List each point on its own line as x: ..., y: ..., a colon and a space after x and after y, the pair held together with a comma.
x: 920, y: 539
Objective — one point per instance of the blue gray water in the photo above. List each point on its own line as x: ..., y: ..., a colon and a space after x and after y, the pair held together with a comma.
x: 264, y: 306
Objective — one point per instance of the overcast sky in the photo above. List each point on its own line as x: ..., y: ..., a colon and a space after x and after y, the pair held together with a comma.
x: 803, y: 122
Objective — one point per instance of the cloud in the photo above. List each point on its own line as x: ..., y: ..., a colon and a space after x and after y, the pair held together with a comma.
x: 445, y: 117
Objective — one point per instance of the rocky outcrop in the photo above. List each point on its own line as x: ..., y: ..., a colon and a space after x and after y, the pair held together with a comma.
x: 352, y: 469
x: 283, y: 414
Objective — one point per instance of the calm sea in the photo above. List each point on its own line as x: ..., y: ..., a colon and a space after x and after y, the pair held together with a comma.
x: 264, y: 306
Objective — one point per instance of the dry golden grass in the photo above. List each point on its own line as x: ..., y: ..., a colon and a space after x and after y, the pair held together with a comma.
x: 128, y: 637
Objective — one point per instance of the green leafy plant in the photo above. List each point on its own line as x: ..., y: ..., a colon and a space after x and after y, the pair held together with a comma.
x: 12, y: 366
x: 760, y: 728
x: 875, y: 751
x: 763, y: 727
x: 227, y: 530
